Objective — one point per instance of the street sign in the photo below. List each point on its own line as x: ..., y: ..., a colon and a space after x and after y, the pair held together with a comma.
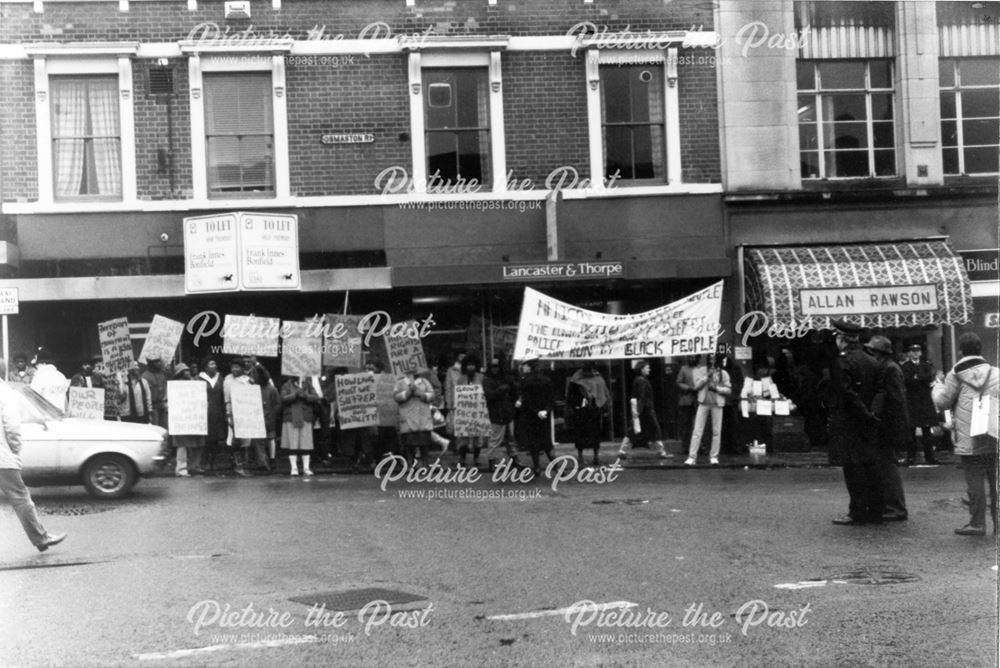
x: 269, y: 251
x: 211, y: 254
x: 8, y: 301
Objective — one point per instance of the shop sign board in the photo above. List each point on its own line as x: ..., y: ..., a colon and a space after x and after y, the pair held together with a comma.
x: 873, y: 299
x: 562, y: 271
x: 982, y: 264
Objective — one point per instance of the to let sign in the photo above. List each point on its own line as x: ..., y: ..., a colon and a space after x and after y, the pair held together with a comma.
x: 269, y: 251
x: 8, y: 301
x: 875, y: 299
x: 211, y: 256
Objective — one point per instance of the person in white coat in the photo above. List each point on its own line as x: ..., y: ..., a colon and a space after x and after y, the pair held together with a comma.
x: 713, y: 385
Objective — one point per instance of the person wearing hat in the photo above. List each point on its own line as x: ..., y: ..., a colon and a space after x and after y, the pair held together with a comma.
x: 533, y: 408
x: 86, y: 377
x: 644, y: 427
x: 135, y: 401
x: 190, y: 446
x: 853, y: 427
x: 889, y: 406
x: 919, y: 375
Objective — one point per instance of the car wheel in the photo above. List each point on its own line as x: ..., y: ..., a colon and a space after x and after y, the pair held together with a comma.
x: 109, y: 476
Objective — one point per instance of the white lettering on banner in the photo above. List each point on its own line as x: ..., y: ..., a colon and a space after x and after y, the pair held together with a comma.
x: 833, y: 302
x: 471, y: 415
x: 301, y: 353
x: 188, y: 402
x: 86, y: 402
x: 162, y: 340
x: 551, y: 329
x: 250, y: 335
x: 356, y: 400
x: 116, y: 345
x: 248, y: 411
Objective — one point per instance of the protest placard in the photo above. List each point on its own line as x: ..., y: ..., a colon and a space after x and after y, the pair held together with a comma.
x: 86, y: 402
x: 471, y: 416
x: 301, y: 355
x: 405, y: 353
x: 356, y: 400
x: 503, y: 340
x: 51, y: 384
x: 551, y: 329
x: 248, y: 411
x: 250, y: 335
x: 116, y: 344
x: 162, y: 339
x: 342, y: 342
x: 188, y: 402
x: 388, y: 409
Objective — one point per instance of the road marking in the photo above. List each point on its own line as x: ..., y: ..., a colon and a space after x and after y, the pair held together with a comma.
x: 262, y: 644
x: 805, y: 584
x: 614, y: 605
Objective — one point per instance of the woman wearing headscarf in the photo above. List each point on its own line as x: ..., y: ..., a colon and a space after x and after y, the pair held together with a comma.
x: 587, y: 395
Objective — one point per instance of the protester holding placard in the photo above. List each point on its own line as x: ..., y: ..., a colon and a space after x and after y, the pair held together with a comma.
x: 86, y: 377
x: 452, y: 377
x: 713, y: 385
x: 385, y: 436
x: 189, y: 447
x: 298, y: 401
x: 135, y: 402
x: 534, y: 411
x: 239, y: 447
x: 414, y: 394
x: 500, y: 393
x: 215, y: 439
x: 271, y: 400
x: 353, y: 442
x: 465, y: 442
x: 156, y: 377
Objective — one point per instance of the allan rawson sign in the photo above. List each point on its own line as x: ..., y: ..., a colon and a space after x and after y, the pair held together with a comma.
x: 875, y: 299
x: 563, y: 270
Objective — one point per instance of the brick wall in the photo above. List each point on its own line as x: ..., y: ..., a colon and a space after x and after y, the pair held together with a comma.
x: 162, y: 124
x: 699, y: 116
x: 18, y: 149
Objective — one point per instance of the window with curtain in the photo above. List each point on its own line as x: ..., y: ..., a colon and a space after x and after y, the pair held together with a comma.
x: 86, y: 137
x: 846, y: 127
x: 457, y: 125
x: 239, y: 133
x: 970, y: 115
x: 633, y: 122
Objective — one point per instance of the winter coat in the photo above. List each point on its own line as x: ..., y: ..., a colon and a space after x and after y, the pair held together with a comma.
x: 271, y: 400
x: 890, y: 407
x: 853, y: 428
x: 964, y: 383
x: 707, y: 396
x: 414, y: 396
x: 298, y: 403
x: 535, y: 396
x: 499, y: 393
x: 216, y: 408
x: 918, y: 378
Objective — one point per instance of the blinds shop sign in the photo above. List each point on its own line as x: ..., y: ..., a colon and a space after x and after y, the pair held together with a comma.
x: 562, y: 270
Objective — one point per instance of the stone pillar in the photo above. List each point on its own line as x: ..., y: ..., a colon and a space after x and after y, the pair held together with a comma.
x: 918, y: 112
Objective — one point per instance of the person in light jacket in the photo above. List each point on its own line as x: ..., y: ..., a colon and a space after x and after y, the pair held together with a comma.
x: 298, y: 401
x: 713, y: 385
x: 414, y: 394
x: 971, y: 378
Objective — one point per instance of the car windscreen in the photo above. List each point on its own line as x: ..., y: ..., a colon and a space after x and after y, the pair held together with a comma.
x: 34, y: 407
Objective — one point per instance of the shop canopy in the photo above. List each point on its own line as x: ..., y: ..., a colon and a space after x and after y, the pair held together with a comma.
x: 877, y: 285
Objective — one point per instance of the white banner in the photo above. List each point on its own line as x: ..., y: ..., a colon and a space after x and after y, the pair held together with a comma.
x: 551, y: 329
x: 86, y: 402
x: 188, y: 402
x: 162, y: 339
x: 248, y: 411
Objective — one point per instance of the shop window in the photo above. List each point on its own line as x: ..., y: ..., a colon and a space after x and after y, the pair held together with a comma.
x: 239, y: 133
x: 633, y: 122
x: 846, y: 120
x: 970, y: 115
x: 86, y: 137
x: 457, y: 125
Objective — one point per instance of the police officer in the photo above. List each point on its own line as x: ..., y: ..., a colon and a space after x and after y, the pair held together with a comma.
x: 853, y: 428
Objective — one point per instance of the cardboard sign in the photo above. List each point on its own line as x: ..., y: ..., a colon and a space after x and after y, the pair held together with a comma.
x: 405, y: 354
x: 113, y: 385
x: 743, y: 353
x: 503, y: 340
x: 250, y: 335
x: 248, y: 411
x: 343, y: 345
x: 388, y: 409
x: 764, y: 407
x: 471, y: 415
x: 301, y: 355
x: 86, y: 402
x: 357, y: 400
x: 51, y: 384
x: 551, y: 329
x: 782, y: 407
x: 162, y: 340
x: 187, y: 403
x: 116, y: 344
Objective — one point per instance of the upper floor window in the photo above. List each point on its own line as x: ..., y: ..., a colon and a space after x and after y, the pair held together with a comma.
x: 239, y: 133
x: 633, y: 122
x: 86, y: 137
x: 970, y: 115
x: 457, y: 125
x: 846, y: 126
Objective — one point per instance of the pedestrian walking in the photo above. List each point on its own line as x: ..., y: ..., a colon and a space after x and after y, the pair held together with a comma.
x: 644, y: 427
x: 298, y: 401
x: 533, y: 407
x: 10, y: 472
x: 889, y: 407
x: 499, y: 390
x: 853, y: 428
x: 188, y: 447
x: 135, y: 403
x: 587, y: 396
x: 238, y: 447
x: 215, y: 439
x: 919, y: 375
x: 414, y: 394
x: 970, y: 392
x: 713, y: 385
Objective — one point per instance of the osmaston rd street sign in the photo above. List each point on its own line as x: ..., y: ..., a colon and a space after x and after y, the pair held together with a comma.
x: 241, y: 251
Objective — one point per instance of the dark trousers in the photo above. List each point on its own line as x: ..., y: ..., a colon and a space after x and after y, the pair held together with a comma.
x: 980, y: 470
x: 685, y: 423
x: 893, y: 497
x: 865, y: 489
x: 928, y: 440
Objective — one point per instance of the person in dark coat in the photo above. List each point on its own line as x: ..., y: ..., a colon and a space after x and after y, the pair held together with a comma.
x: 853, y: 428
x: 889, y: 406
x: 215, y: 440
x: 587, y: 395
x: 919, y: 375
x: 87, y: 377
x: 499, y: 391
x: 644, y: 427
x: 534, y: 409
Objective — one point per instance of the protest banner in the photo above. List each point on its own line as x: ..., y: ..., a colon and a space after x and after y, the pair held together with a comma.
x: 471, y: 416
x: 188, y: 402
x: 162, y: 340
x: 342, y: 344
x: 248, y: 411
x: 250, y: 335
x: 86, y: 402
x: 116, y: 344
x: 356, y: 400
x: 51, y: 384
x: 301, y: 355
x: 551, y: 329
x: 405, y: 354
x: 388, y: 409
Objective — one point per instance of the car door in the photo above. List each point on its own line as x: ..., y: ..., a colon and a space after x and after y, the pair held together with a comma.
x: 40, y: 456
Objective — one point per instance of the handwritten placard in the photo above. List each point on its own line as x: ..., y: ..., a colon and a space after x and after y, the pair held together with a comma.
x: 86, y: 402
x: 188, y: 402
x: 51, y: 384
x: 357, y: 403
x: 342, y: 344
x: 405, y: 354
x: 250, y: 335
x: 248, y: 411
x: 116, y: 345
x: 471, y: 416
x: 301, y: 355
x: 161, y: 342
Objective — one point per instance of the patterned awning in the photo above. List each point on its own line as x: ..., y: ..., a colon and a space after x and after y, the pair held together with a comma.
x: 880, y: 285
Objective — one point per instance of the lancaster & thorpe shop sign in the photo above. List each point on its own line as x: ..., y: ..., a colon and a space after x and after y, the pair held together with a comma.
x: 551, y: 329
x: 563, y: 270
x: 875, y: 299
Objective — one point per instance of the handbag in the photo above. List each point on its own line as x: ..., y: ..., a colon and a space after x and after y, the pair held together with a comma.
x: 437, y: 418
x: 983, y: 421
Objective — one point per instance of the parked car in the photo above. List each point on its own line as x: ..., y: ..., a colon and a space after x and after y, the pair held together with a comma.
x: 104, y: 456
